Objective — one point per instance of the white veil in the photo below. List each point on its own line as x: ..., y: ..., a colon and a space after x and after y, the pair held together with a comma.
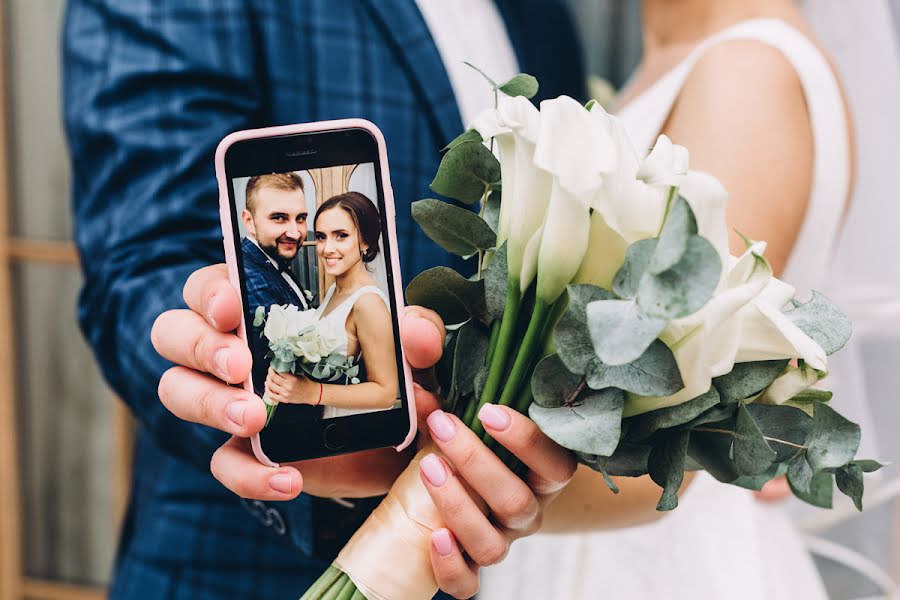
x: 863, y: 37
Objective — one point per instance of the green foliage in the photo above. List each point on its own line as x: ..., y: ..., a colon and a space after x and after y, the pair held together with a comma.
x: 591, y: 424
x: 748, y: 379
x: 467, y: 171
x: 470, y: 135
x: 666, y: 466
x: 680, y: 225
x: 456, y: 230
x: 849, y: 480
x: 646, y: 424
x: 449, y: 294
x: 520, y: 85
x: 824, y: 322
x: 833, y: 440
x: 621, y: 331
x: 495, y: 284
x: 652, y: 373
x: 752, y: 454
x: 552, y: 384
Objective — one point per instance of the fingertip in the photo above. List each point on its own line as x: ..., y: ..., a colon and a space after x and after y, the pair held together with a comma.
x: 286, y: 481
x: 443, y: 542
x: 254, y: 416
x: 421, y: 340
x: 223, y: 309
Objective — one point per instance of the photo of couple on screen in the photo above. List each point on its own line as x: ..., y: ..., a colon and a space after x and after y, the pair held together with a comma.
x: 315, y: 283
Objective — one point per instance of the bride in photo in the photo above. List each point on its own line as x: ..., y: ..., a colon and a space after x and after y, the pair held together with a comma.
x: 347, y: 231
x: 744, y: 86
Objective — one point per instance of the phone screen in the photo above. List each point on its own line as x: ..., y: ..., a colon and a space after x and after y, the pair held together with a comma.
x: 315, y: 264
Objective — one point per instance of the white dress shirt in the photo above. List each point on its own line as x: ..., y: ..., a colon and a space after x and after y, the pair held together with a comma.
x: 470, y: 31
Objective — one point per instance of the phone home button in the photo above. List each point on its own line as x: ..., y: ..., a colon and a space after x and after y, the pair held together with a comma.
x: 332, y: 437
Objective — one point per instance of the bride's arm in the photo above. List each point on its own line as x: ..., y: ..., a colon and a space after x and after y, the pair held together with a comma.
x: 372, y: 323
x: 743, y: 118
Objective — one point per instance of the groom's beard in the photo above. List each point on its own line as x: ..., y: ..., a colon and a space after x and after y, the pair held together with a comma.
x: 283, y: 251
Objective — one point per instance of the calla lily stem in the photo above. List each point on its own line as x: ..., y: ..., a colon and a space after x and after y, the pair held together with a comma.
x: 505, y: 340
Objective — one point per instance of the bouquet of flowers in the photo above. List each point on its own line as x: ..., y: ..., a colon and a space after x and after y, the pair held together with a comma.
x: 608, y: 308
x: 301, y: 344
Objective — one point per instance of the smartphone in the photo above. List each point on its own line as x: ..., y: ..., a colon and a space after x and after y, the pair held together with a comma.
x: 308, y: 225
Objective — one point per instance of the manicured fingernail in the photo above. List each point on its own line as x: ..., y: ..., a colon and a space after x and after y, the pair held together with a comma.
x: 441, y: 426
x: 282, y: 482
x: 434, y: 470
x: 222, y: 363
x: 235, y: 412
x: 210, y: 311
x: 442, y: 541
x: 494, y: 417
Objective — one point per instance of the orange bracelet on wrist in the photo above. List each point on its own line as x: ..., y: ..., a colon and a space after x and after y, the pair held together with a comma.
x: 321, y: 389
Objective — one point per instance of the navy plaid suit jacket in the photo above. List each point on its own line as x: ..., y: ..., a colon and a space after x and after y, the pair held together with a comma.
x: 265, y: 286
x: 150, y: 87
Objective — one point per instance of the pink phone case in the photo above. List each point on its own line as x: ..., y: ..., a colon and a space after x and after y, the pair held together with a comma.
x: 231, y: 259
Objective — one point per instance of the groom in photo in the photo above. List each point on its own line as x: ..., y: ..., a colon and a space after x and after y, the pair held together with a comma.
x: 275, y: 222
x: 150, y: 88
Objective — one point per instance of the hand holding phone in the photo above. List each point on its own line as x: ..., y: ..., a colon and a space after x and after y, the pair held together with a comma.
x: 193, y: 339
x: 308, y: 226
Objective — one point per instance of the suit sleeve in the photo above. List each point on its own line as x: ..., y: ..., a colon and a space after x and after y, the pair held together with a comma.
x: 149, y: 90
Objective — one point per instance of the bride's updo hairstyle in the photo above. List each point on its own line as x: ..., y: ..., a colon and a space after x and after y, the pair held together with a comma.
x: 365, y: 217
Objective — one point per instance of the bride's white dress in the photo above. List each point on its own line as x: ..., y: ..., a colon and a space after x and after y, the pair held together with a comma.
x: 338, y: 318
x: 720, y: 542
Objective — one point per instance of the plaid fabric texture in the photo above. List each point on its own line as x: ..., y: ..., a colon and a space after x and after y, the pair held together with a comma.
x: 150, y: 87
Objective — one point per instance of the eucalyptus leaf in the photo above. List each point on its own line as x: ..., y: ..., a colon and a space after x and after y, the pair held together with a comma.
x: 456, y: 230
x: 495, y: 282
x: 648, y: 423
x: 868, y: 466
x: 823, y: 321
x: 666, y: 467
x: 609, y: 482
x: 592, y: 424
x: 849, y: 480
x: 572, y: 338
x: 470, y: 135
x: 637, y: 261
x: 833, y: 440
x: 718, y: 413
x: 552, y: 384
x: 785, y: 427
x: 685, y: 287
x: 466, y: 172
x: 711, y: 447
x: 679, y: 226
x: 748, y: 379
x: 821, y: 490
x: 620, y: 330
x: 751, y: 454
x: 653, y: 373
x: 628, y: 460
x: 471, y: 347
x: 491, y: 212
x: 756, y: 482
x: 520, y: 85
x: 452, y: 296
x: 800, y: 474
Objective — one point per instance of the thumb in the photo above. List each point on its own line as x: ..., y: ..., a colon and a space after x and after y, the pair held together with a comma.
x: 422, y: 335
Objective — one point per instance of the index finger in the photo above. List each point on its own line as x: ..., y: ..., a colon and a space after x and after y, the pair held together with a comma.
x: 209, y: 293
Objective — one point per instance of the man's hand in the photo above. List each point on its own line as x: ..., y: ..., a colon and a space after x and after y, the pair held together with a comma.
x: 210, y: 356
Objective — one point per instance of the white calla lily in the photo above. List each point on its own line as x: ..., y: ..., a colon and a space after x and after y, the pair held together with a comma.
x: 577, y: 148
x: 515, y: 126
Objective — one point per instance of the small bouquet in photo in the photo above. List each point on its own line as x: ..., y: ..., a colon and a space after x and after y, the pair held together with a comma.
x: 301, y: 344
x: 606, y: 306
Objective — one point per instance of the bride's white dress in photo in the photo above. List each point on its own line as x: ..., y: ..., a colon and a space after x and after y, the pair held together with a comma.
x: 338, y: 319
x: 721, y: 542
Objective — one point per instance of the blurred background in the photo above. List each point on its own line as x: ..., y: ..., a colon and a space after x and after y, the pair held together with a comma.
x: 64, y: 439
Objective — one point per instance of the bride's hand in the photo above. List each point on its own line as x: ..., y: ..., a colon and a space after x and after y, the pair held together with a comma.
x: 292, y: 389
x: 473, y: 475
